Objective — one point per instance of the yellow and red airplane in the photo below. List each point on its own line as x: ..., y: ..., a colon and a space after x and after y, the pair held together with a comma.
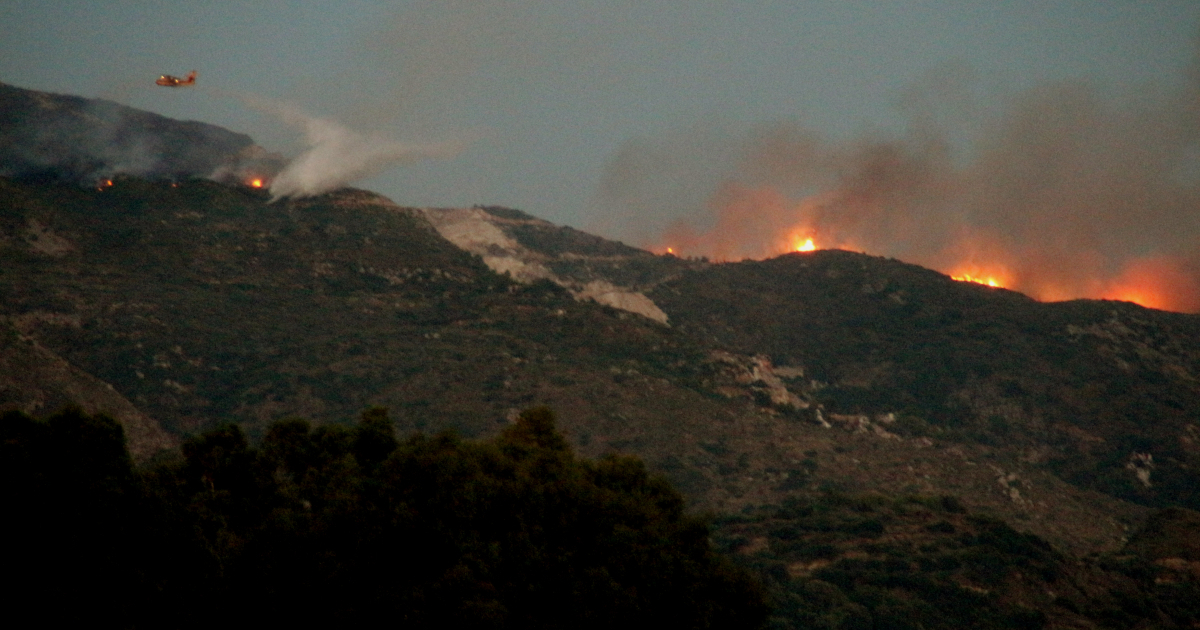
x: 171, y: 81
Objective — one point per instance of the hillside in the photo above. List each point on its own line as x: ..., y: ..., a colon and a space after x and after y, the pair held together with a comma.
x: 177, y: 303
x: 201, y: 303
x: 1104, y: 394
x: 59, y: 137
x: 872, y: 561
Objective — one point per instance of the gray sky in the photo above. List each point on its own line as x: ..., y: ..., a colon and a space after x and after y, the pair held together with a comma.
x: 550, y: 99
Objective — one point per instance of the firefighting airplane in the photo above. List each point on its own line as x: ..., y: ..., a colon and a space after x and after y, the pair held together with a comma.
x: 171, y: 81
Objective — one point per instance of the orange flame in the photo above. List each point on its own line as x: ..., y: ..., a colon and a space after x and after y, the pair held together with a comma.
x: 759, y: 222
x: 978, y: 279
x: 256, y: 183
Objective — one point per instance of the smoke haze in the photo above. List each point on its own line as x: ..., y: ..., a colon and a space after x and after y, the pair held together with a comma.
x: 72, y: 139
x: 1058, y: 193
x: 337, y: 155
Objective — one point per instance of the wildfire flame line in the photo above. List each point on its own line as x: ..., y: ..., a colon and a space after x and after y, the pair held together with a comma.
x: 966, y: 277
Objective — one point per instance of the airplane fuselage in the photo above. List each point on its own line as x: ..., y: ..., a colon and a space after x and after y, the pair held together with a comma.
x: 170, y: 81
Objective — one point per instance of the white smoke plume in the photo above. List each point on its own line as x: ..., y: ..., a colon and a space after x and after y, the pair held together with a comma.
x: 338, y: 155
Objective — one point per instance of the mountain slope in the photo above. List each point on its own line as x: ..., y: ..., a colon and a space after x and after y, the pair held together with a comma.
x: 746, y: 383
x: 202, y: 303
x: 527, y: 249
x: 1106, y: 394
x: 36, y: 381
x: 59, y: 137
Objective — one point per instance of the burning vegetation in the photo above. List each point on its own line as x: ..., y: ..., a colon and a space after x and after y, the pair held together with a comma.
x: 990, y: 281
x: 1060, y: 192
x: 92, y: 142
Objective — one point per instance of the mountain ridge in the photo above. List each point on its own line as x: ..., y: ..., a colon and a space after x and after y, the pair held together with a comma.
x: 60, y: 137
x: 197, y: 315
x: 200, y: 302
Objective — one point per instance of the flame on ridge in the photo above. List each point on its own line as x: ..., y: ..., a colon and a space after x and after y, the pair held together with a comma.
x: 978, y: 279
x: 967, y: 254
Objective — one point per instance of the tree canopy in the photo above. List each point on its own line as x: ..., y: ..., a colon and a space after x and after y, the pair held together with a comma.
x: 345, y: 524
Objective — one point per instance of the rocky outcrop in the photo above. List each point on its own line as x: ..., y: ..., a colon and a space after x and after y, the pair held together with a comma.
x: 757, y: 378
x: 633, y: 301
x: 485, y: 234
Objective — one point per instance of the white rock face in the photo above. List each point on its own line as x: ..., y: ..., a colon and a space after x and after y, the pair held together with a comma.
x: 616, y: 297
x: 480, y: 232
x: 520, y: 270
x: 761, y: 370
x: 757, y: 372
x: 476, y: 231
x: 470, y: 229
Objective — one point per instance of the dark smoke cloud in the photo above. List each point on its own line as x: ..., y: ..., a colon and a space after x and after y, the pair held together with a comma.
x: 1062, y: 191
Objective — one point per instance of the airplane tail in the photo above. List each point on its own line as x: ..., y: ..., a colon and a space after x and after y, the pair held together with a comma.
x: 191, y: 77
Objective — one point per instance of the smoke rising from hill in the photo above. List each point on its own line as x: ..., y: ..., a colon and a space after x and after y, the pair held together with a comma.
x: 1063, y: 192
x: 73, y: 139
x: 338, y: 155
